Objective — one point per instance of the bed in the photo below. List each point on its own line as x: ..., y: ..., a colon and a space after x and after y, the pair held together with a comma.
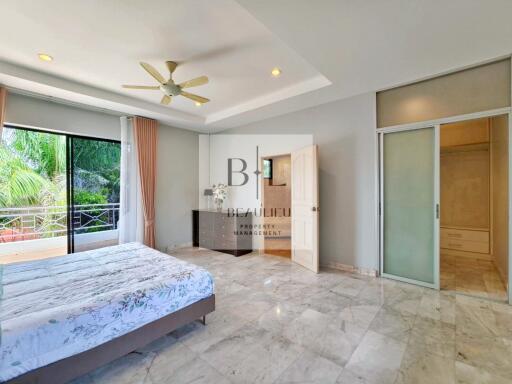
x: 64, y: 316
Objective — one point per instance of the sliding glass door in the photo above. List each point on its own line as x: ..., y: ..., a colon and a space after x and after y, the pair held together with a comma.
x: 33, y: 190
x: 94, y: 180
x: 58, y: 194
x: 409, y: 187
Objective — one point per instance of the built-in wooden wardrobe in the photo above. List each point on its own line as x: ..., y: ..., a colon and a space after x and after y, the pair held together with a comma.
x: 474, y: 193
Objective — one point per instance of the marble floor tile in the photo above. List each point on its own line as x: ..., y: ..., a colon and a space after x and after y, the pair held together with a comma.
x: 358, y: 312
x: 266, y: 362
x: 276, y: 322
x: 492, y: 354
x: 279, y: 317
x: 434, y: 337
x: 421, y: 367
x: 326, y: 302
x: 392, y: 323
x: 467, y: 374
x: 196, y: 371
x: 130, y: 369
x: 220, y: 324
x: 376, y: 360
x: 321, y: 334
x: 227, y: 353
x: 349, y: 286
x: 168, y: 360
x: 475, y: 317
x: 310, y: 368
x: 437, y: 305
x: 472, y: 276
x: 248, y: 304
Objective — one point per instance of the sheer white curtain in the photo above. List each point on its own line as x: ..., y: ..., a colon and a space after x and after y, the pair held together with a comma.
x: 131, y: 219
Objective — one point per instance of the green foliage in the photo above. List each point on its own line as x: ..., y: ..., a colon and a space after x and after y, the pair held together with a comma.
x: 33, y: 167
x: 83, y: 197
x: 44, y: 151
x: 20, y: 185
x: 101, y: 158
x: 98, y: 156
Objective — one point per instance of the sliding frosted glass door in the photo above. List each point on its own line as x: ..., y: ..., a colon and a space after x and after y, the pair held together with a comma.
x: 409, y: 196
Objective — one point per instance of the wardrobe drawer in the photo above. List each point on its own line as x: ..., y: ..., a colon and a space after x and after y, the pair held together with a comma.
x: 465, y: 234
x: 464, y: 245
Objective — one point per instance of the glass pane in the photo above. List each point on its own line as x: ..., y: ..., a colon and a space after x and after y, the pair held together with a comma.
x: 33, y: 210
x: 409, y: 204
x: 95, y: 201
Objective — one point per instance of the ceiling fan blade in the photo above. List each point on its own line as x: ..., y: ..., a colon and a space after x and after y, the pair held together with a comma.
x: 141, y: 86
x: 197, y: 98
x: 153, y: 72
x: 171, y: 66
x: 165, y: 100
x: 194, y: 82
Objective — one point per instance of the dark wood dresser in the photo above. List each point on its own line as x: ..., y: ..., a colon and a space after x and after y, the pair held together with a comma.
x: 222, y: 232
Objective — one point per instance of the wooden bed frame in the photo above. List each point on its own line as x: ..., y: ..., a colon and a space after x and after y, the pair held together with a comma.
x: 64, y: 370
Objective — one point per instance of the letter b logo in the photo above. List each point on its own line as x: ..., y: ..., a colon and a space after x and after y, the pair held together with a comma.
x: 241, y: 171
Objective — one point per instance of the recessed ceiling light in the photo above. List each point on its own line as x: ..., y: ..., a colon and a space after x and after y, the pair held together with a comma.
x: 198, y: 104
x: 276, y: 72
x: 44, y: 57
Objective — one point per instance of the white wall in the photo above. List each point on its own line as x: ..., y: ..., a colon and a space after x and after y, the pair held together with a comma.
x: 344, y: 131
x: 176, y: 186
x: 39, y: 113
x: 217, y: 149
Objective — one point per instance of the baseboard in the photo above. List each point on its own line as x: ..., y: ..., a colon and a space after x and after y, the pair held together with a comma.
x: 351, y: 268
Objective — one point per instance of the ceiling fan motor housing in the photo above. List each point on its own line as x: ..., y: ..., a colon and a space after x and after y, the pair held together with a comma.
x: 170, y: 89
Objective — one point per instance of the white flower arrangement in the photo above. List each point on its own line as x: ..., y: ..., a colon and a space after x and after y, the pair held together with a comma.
x: 220, y: 193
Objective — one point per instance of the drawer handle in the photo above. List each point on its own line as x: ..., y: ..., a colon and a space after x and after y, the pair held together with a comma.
x: 455, y: 245
x: 458, y: 235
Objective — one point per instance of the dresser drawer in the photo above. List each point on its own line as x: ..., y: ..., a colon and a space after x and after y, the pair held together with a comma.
x: 465, y: 234
x: 465, y: 245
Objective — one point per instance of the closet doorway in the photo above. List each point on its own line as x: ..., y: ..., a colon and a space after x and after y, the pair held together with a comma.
x: 276, y: 198
x: 474, y: 207
x: 444, y: 203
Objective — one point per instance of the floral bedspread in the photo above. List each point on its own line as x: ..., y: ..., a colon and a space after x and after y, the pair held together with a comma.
x: 54, y: 308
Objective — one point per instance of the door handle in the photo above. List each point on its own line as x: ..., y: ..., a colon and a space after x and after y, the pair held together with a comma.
x: 437, y: 211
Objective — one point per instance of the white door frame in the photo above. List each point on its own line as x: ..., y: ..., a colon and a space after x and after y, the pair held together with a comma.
x: 439, y: 122
x: 435, y: 208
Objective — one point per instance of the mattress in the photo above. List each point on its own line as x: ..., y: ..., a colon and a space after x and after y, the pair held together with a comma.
x: 54, y: 308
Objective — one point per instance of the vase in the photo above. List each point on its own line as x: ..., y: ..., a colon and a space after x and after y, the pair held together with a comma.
x: 218, y: 203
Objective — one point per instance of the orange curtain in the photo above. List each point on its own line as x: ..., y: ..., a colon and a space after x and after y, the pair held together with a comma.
x: 145, y: 139
x: 3, y: 97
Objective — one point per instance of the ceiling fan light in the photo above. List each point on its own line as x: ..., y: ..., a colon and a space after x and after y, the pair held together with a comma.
x: 198, y: 104
x: 276, y: 72
x: 45, y: 57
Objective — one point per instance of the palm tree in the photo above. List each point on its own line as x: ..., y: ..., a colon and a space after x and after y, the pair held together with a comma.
x: 32, y: 168
x: 20, y: 185
x: 45, y: 152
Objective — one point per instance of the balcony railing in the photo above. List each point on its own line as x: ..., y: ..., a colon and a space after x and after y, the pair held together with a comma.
x: 30, y: 223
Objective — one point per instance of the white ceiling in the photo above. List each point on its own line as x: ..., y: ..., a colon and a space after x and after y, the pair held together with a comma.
x: 327, y: 49
x: 99, y: 44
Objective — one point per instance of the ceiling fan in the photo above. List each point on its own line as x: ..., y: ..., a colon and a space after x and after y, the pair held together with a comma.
x: 169, y: 87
